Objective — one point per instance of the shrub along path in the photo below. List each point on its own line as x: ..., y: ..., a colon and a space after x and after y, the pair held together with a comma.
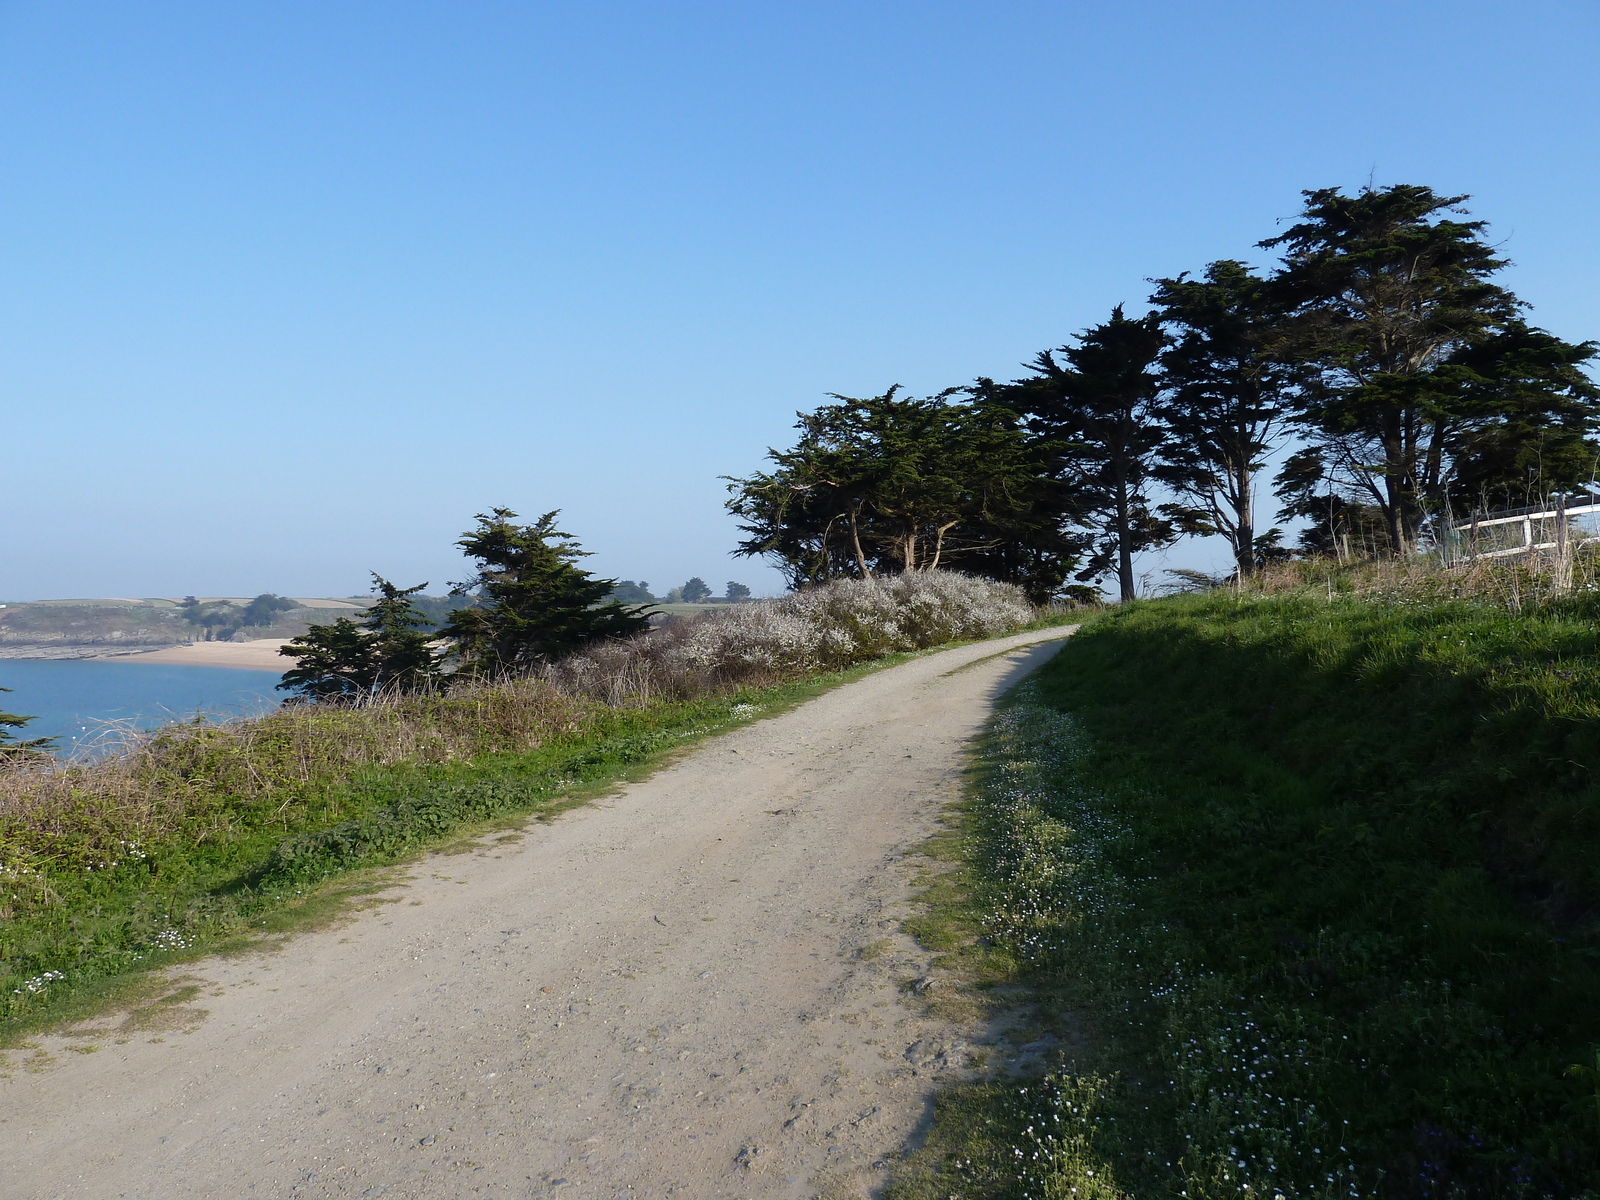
x: 693, y: 988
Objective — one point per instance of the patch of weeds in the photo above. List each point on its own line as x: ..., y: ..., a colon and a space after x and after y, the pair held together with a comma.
x: 165, y: 1006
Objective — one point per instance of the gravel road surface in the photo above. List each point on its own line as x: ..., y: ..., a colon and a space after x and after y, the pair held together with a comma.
x: 696, y: 987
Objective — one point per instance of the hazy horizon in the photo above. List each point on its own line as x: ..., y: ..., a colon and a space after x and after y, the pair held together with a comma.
x: 208, y: 598
x: 294, y: 291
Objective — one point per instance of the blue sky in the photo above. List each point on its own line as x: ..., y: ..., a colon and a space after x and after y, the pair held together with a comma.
x: 289, y: 291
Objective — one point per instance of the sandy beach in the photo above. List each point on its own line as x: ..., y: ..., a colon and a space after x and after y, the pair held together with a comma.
x: 261, y: 654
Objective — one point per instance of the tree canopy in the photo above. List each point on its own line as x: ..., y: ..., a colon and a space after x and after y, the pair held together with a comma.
x: 1403, y: 381
x: 1226, y: 392
x: 629, y: 592
x: 387, y: 650
x: 898, y: 483
x: 534, y: 603
x: 219, y: 620
x: 1424, y: 382
x: 1095, y: 404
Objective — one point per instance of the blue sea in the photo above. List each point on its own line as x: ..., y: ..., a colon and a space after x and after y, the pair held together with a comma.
x: 75, y: 699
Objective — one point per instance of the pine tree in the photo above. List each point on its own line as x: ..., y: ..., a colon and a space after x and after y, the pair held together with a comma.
x: 893, y: 483
x: 405, y: 659
x: 332, y: 662
x: 386, y: 650
x: 1428, y: 387
x: 1227, y: 393
x: 534, y: 603
x: 1096, y: 403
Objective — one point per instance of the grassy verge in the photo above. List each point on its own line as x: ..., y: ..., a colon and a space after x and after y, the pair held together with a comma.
x: 208, y: 836
x: 78, y: 938
x: 1319, y: 878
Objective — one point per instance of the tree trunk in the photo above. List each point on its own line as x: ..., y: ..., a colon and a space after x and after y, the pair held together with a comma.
x: 827, y: 554
x: 1244, y: 549
x: 938, y: 543
x: 855, y: 537
x: 1394, y: 473
x: 1393, y: 519
x: 1124, y: 553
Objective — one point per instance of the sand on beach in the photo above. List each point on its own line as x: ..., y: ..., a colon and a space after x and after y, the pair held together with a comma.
x: 261, y: 654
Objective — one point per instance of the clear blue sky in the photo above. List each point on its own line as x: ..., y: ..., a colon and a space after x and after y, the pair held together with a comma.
x: 291, y: 290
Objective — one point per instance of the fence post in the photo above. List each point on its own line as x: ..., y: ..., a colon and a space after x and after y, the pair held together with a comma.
x: 1563, y: 579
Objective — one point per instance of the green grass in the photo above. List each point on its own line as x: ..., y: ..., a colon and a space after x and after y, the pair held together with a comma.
x: 79, y: 938
x: 1320, y: 879
x: 205, y: 834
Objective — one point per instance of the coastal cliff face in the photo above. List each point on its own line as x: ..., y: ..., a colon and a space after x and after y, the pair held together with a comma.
x: 55, y: 630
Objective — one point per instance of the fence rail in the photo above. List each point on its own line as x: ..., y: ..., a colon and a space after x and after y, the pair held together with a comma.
x: 1555, y: 527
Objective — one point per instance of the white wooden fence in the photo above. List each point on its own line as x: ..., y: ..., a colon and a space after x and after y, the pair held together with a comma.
x: 1557, y: 527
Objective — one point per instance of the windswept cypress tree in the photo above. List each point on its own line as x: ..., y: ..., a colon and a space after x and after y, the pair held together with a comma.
x: 892, y: 483
x: 1096, y: 402
x: 386, y: 650
x: 1427, y: 389
x: 534, y: 603
x: 1227, y: 394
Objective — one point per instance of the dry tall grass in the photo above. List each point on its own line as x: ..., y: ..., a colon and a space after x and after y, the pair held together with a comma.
x: 1512, y: 582
x: 197, y: 780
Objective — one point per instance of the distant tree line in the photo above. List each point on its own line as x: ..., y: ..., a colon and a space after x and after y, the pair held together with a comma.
x: 694, y: 591
x: 219, y: 620
x: 1403, y: 383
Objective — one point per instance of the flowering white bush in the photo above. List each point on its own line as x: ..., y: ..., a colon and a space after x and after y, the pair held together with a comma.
x: 824, y: 628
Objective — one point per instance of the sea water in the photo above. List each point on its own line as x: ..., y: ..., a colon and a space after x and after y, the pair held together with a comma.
x: 80, y: 700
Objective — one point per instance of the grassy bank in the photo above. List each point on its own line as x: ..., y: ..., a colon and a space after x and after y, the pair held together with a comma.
x: 199, y: 834
x: 73, y: 931
x: 1319, y: 879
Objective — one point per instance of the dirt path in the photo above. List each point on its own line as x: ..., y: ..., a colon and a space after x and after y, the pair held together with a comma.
x: 694, y: 988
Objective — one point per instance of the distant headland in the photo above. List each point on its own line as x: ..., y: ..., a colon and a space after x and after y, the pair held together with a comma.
x: 223, y: 631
